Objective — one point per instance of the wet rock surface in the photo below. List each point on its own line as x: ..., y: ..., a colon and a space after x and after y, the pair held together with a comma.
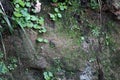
x: 18, y: 45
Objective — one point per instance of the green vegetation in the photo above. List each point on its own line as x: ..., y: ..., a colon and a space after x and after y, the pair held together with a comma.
x: 13, y: 63
x: 5, y: 20
x: 23, y: 16
x: 94, y: 4
x: 7, y: 67
x: 70, y: 19
x: 48, y: 75
x: 3, y: 67
x: 26, y: 19
x: 61, y: 6
x: 42, y: 40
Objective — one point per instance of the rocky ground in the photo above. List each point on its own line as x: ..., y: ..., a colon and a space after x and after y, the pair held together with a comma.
x: 66, y: 55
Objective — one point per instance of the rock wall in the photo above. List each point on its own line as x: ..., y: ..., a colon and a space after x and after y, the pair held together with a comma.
x: 18, y: 45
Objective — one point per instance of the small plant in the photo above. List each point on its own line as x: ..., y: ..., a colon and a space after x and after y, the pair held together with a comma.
x: 13, y: 63
x: 41, y: 40
x: 58, y: 64
x: 57, y: 15
x: 1, y: 55
x: 25, y: 19
x: 48, y: 75
x: 96, y: 31
x: 62, y: 6
x: 3, y: 67
x: 109, y: 41
x: 42, y: 30
x: 94, y: 4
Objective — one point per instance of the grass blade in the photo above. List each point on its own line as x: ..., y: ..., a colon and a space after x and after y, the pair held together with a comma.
x: 2, y: 11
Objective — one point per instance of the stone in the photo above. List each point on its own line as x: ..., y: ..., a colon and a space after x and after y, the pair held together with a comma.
x: 39, y: 63
x: 22, y: 45
x: 114, y: 7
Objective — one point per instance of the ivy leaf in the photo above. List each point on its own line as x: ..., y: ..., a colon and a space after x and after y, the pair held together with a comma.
x: 46, y: 76
x: 24, y: 13
x: 46, y: 41
x: 17, y: 9
x: 56, y: 10
x: 34, y: 18
x: 52, y: 16
x: 21, y: 22
x: 59, y: 15
x: 30, y: 24
x: 41, y: 21
x: 42, y: 30
x: 21, y: 3
x: 17, y: 6
x: 17, y: 14
x: 65, y: 7
x: 28, y: 4
x: 3, y: 68
x: 62, y: 8
x: 36, y: 26
x: 50, y: 74
x: 40, y: 39
x: 27, y: 17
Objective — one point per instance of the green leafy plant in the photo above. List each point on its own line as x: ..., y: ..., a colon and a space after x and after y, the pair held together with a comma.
x: 55, y: 15
x: 109, y: 41
x: 57, y: 11
x: 48, y: 75
x: 42, y: 30
x: 41, y: 40
x: 22, y: 15
x: 3, y: 67
x: 96, y: 31
x: 94, y: 4
x: 25, y: 19
x: 62, y: 6
x: 13, y: 63
x: 52, y: 16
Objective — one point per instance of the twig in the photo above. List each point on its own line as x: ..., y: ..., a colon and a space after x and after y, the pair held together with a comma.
x: 3, y: 46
